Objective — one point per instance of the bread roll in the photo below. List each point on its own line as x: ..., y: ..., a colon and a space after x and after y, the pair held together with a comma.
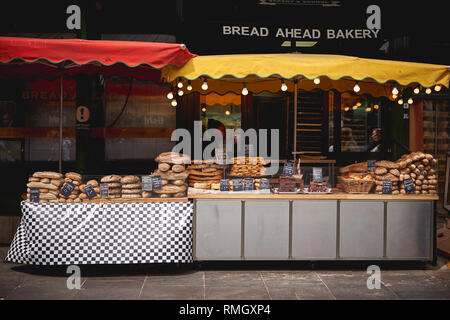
x: 178, y: 168
x: 41, y: 185
x: 47, y: 174
x: 74, y: 176
x: 110, y: 178
x: 129, y: 179
x: 132, y: 186
x: 164, y: 167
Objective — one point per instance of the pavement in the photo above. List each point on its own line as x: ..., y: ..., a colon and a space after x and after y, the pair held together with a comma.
x: 222, y: 281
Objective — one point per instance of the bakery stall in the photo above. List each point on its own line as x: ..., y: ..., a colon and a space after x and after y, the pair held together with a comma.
x: 73, y: 218
x: 370, y: 210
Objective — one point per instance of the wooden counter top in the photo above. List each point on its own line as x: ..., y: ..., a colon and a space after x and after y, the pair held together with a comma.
x: 333, y: 196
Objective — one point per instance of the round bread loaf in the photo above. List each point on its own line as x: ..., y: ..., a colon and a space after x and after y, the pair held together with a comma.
x: 129, y: 179
x: 163, y: 166
x: 110, y: 178
x: 114, y: 185
x: 171, y: 189
x: 178, y: 168
x: 131, y: 191
x: 137, y: 185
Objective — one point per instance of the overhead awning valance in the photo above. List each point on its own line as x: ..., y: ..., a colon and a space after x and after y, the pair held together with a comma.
x: 260, y: 72
x: 24, y: 57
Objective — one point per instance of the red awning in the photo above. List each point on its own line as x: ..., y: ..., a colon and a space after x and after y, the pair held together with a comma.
x: 25, y: 57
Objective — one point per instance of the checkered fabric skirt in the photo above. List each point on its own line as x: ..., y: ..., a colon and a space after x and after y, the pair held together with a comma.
x: 103, y: 233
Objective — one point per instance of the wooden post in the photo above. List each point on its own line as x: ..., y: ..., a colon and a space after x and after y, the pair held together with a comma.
x: 295, y: 120
x: 61, y: 99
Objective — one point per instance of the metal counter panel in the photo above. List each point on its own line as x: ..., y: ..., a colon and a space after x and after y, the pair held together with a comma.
x: 218, y: 230
x: 361, y: 229
x: 408, y: 229
x: 314, y: 229
x: 266, y: 230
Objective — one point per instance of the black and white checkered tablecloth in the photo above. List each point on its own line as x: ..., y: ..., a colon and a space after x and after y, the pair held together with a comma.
x: 103, y: 233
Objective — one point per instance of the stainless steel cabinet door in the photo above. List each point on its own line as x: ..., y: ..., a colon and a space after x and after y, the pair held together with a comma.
x: 409, y: 229
x: 266, y: 230
x: 218, y: 230
x: 361, y: 229
x: 314, y: 229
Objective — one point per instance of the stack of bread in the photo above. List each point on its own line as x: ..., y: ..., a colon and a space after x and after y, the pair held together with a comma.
x: 75, y: 179
x: 114, y: 185
x: 387, y: 170
x: 131, y: 187
x: 49, y: 184
x: 172, y: 169
x: 421, y: 168
x: 205, y: 175
x: 94, y: 184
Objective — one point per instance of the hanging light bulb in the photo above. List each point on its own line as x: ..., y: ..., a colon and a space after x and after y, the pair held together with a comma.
x: 180, y: 84
x: 316, y: 80
x: 395, y: 91
x: 394, y: 96
x: 437, y: 88
x: 428, y: 91
x: 205, y: 85
x: 170, y: 95
x: 358, y: 104
x: 189, y: 86
x: 227, y: 112
x: 356, y: 88
x: 180, y: 92
x: 244, y: 90
x: 174, y: 103
x: 283, y: 86
x: 416, y: 90
x: 368, y: 109
x: 346, y: 108
x: 410, y: 101
x: 355, y: 107
x: 376, y: 107
x: 400, y: 101
x: 203, y: 109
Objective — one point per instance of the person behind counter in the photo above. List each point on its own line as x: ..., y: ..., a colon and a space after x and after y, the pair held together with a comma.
x: 379, y: 144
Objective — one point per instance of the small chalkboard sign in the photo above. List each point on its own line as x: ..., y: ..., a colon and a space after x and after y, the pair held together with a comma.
x: 264, y: 184
x: 409, y: 185
x: 104, y: 190
x: 224, y: 185
x: 237, y: 185
x: 387, y: 187
x: 34, y: 194
x: 147, y: 183
x: 248, y: 184
x: 67, y: 189
x: 288, y: 168
x: 371, y: 165
x: 317, y: 175
x: 90, y: 192
x: 156, y: 182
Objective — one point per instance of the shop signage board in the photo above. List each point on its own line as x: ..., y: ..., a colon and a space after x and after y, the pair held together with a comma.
x: 409, y: 185
x: 317, y: 175
x: 371, y: 165
x: 156, y: 182
x: 237, y: 185
x: 90, y: 192
x: 147, y: 183
x: 248, y: 184
x: 104, y: 190
x: 34, y: 194
x: 67, y: 189
x: 288, y: 169
x: 224, y: 185
x: 264, y: 184
x: 387, y: 187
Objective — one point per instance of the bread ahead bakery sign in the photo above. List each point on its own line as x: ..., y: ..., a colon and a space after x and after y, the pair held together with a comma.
x: 305, y: 36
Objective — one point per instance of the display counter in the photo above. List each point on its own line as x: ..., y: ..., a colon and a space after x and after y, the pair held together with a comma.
x: 104, y: 232
x: 339, y: 226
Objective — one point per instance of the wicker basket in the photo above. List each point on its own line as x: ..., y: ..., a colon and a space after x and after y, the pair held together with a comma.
x: 356, y: 186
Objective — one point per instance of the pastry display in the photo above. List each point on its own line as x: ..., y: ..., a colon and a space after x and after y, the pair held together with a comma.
x: 131, y: 187
x: 114, y: 185
x: 421, y: 169
x: 247, y: 166
x: 75, y: 179
x: 48, y: 183
x: 173, y: 173
x: 204, y: 174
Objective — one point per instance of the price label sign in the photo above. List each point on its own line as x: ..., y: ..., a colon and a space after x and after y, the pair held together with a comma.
x: 409, y: 185
x: 67, y: 189
x: 224, y: 185
x: 237, y: 185
x: 34, y: 194
x: 248, y: 184
x: 288, y: 168
x: 147, y: 183
x: 156, y: 182
x: 387, y: 187
x: 90, y: 192
x: 371, y: 165
x: 317, y: 175
x: 104, y: 190
x: 264, y: 184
